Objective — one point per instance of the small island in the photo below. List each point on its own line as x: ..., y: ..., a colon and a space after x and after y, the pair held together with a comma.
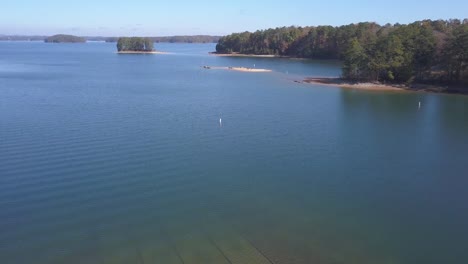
x: 61, y: 38
x: 136, y: 45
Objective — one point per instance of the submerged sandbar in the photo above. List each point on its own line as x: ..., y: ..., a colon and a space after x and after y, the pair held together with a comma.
x: 234, y: 54
x: 141, y: 52
x: 241, y: 69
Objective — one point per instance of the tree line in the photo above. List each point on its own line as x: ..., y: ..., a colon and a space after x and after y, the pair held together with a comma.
x: 178, y: 39
x: 423, y: 51
x: 61, y: 38
x: 134, y: 44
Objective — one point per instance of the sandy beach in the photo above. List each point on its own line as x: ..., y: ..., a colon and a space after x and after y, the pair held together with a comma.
x: 337, y: 82
x: 241, y: 69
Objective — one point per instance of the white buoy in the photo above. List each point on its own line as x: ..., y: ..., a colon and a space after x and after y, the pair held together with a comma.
x: 419, y: 104
x: 220, y: 122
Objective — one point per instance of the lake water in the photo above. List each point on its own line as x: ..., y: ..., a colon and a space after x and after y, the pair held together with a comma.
x: 108, y: 158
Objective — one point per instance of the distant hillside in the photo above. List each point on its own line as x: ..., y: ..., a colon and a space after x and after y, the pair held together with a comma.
x: 64, y: 39
x: 21, y: 38
x: 169, y: 39
x: 179, y: 39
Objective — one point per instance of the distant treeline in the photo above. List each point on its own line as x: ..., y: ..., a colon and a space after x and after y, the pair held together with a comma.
x: 135, y: 44
x: 423, y: 51
x: 179, y: 39
x: 41, y: 38
x: 21, y: 38
x: 170, y: 39
x: 61, y: 38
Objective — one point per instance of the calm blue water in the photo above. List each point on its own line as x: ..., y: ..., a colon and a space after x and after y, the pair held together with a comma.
x: 108, y: 158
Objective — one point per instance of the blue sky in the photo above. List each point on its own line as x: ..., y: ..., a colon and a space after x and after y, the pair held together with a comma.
x: 162, y: 18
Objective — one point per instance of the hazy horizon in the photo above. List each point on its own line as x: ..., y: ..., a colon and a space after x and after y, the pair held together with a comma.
x: 116, y: 18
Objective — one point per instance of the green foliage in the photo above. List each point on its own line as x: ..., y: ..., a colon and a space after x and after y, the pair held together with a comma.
x: 323, y: 42
x: 400, y: 53
x: 388, y: 59
x: 455, y: 55
x: 64, y: 39
x: 355, y: 61
x: 134, y: 44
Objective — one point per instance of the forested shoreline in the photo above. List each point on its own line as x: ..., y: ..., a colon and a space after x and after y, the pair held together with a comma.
x: 423, y: 51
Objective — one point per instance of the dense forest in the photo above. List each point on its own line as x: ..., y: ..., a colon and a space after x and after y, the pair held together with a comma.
x: 64, y: 39
x: 135, y: 44
x: 423, y: 51
x: 179, y: 39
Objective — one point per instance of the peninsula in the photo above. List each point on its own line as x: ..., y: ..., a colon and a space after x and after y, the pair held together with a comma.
x: 419, y: 54
x: 61, y: 38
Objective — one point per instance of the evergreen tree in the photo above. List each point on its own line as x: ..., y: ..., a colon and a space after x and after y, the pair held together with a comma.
x: 456, y: 53
x: 355, y: 60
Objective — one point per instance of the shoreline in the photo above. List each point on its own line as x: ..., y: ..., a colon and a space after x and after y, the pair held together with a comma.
x: 142, y: 52
x: 371, y: 86
x: 241, y: 69
x: 338, y: 82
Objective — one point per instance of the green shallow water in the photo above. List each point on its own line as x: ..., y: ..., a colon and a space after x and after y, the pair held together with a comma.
x: 107, y: 158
